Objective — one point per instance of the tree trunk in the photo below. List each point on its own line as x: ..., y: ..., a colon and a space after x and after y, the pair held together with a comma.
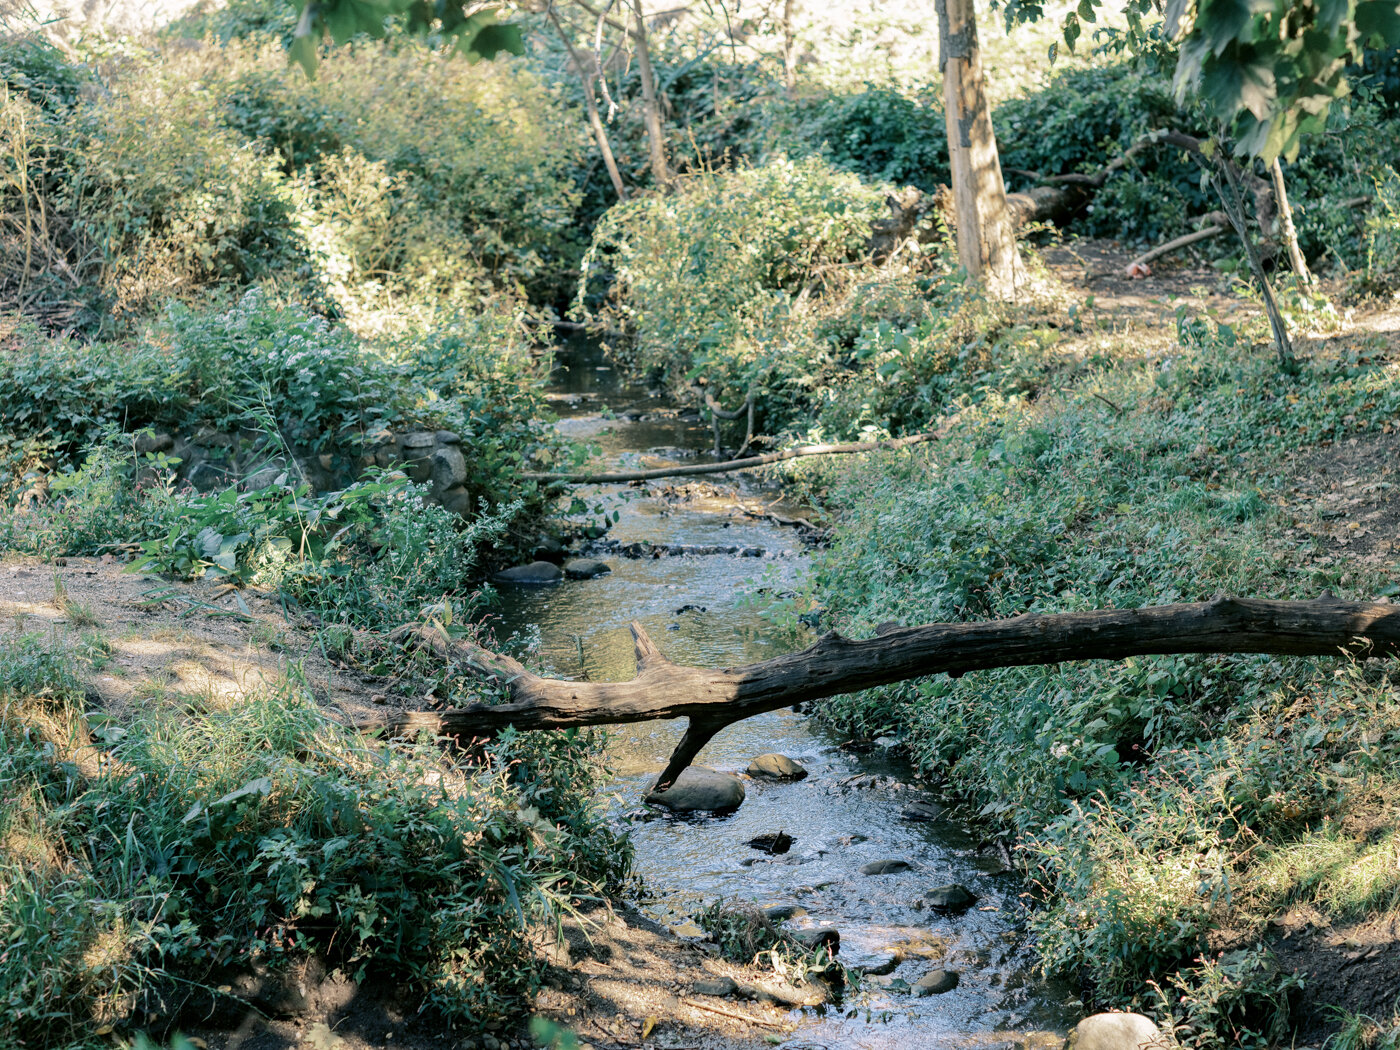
x: 712, y: 699
x: 595, y: 121
x: 789, y: 54
x: 985, y: 234
x: 1229, y: 190
x: 651, y: 105
x: 1287, y: 231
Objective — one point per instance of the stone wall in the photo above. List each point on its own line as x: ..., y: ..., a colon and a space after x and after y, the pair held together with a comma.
x: 213, y: 459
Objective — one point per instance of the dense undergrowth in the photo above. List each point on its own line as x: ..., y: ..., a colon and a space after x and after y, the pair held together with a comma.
x: 195, y: 238
x: 1157, y: 799
x: 252, y: 836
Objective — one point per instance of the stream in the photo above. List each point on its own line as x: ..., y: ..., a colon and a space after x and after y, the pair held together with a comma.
x: 708, y: 609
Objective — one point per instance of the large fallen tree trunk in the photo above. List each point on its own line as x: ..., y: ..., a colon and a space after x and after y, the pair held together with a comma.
x: 712, y: 699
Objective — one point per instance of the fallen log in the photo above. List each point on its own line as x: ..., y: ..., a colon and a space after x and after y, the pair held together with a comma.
x: 713, y: 699
x: 747, y: 463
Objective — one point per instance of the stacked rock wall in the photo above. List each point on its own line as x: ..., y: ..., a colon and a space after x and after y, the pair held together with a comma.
x: 213, y: 459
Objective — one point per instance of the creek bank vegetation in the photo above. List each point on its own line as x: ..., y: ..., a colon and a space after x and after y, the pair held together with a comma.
x: 224, y: 284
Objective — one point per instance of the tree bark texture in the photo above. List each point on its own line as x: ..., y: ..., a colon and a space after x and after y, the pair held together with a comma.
x: 712, y: 699
x: 985, y: 233
x: 651, y: 104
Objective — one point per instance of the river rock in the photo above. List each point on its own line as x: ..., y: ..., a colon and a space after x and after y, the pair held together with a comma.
x: 921, y: 812
x: 720, y: 986
x: 700, y: 790
x: 535, y: 572
x: 776, y: 767
x: 828, y: 937
x: 1117, y: 1032
x: 884, y: 967
x: 783, y: 912
x: 585, y: 568
x: 772, y: 842
x: 952, y: 899
x: 935, y: 983
x: 885, y: 867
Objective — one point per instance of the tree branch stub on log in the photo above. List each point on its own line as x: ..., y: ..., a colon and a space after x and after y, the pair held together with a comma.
x: 713, y: 699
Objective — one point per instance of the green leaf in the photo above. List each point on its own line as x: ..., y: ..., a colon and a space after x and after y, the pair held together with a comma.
x: 1086, y: 10
x: 1378, y: 22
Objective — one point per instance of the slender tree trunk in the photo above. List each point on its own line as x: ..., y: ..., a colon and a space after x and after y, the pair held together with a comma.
x: 986, y: 235
x: 651, y: 106
x: 789, y: 55
x: 1287, y: 231
x: 591, y: 107
x: 1229, y: 189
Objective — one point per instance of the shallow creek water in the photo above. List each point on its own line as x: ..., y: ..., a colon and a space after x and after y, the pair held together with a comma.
x: 708, y: 610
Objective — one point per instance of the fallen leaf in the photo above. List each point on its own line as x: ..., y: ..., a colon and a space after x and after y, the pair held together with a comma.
x: 648, y: 1025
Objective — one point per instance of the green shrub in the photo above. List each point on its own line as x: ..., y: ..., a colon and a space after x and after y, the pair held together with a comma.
x: 266, y: 832
x: 880, y: 132
x: 716, y: 283
x: 1382, y: 267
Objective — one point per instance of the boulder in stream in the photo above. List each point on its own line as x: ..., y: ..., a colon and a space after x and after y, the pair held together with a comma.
x: 783, y: 912
x: 885, y: 867
x: 776, y: 767
x: 1118, y: 1032
x: 700, y: 790
x: 921, y: 812
x: 772, y: 842
x: 537, y: 572
x: 585, y: 568
x: 952, y: 899
x: 935, y: 983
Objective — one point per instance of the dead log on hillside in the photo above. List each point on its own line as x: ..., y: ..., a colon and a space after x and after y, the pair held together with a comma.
x: 712, y: 699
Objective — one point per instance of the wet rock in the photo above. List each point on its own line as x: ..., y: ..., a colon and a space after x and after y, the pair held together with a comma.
x: 535, y: 573
x: 772, y: 842
x: 549, y: 546
x: 700, y: 790
x: 885, y: 867
x: 884, y: 967
x: 783, y: 912
x: 776, y: 767
x: 935, y: 983
x: 952, y: 899
x: 921, y: 812
x: 690, y: 608
x: 585, y: 568
x: 720, y: 986
x: 1117, y: 1032
x: 828, y: 937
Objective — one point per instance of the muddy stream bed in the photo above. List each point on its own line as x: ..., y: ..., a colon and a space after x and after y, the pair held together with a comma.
x: 709, y: 609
